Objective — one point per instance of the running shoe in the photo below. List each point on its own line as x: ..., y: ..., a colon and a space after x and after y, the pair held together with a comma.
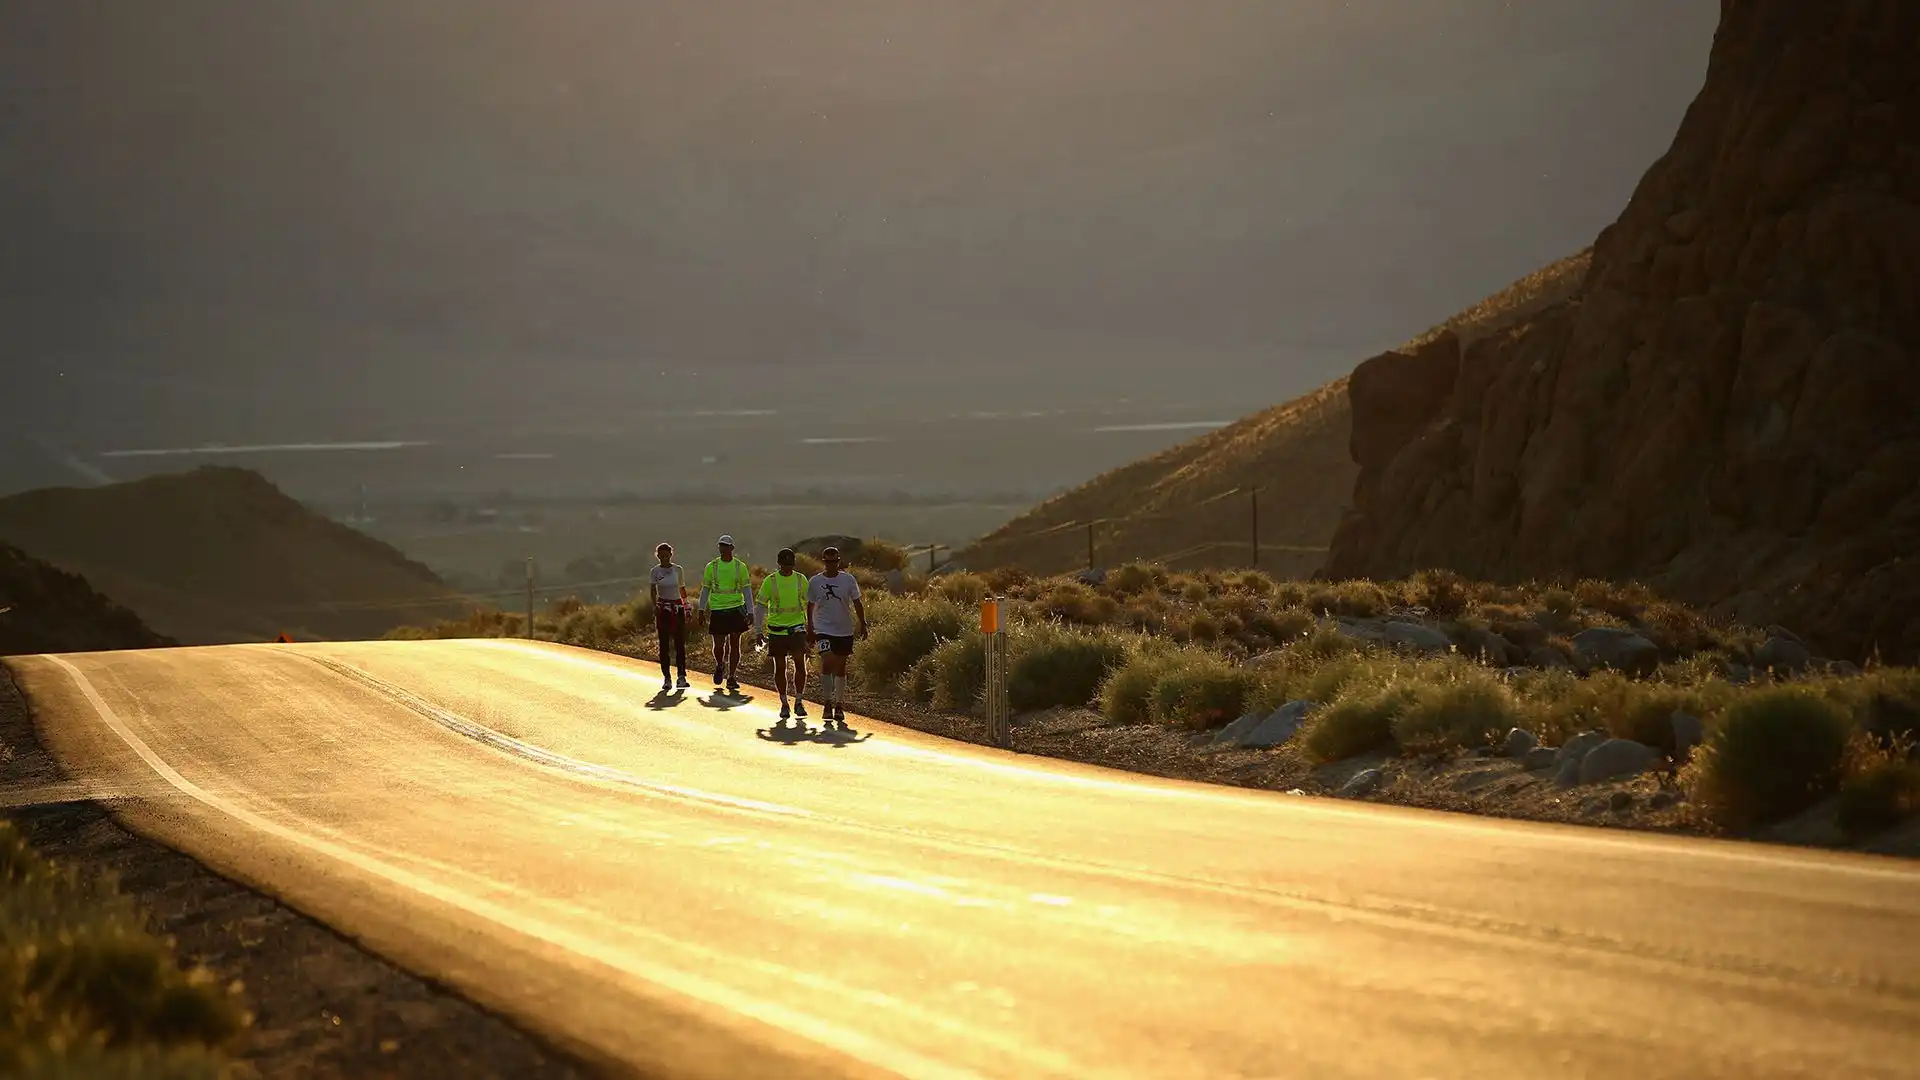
x: 719, y: 676
x: 784, y: 711
x: 683, y: 680
x: 800, y: 709
x: 732, y: 687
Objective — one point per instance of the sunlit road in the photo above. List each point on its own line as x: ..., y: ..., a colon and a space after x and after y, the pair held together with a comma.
x: 654, y: 884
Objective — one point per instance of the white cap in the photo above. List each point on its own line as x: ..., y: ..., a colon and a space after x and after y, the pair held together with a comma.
x: 726, y: 539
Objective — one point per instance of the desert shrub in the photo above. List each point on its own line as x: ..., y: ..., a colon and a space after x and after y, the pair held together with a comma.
x: 1357, y: 723
x: 1881, y: 795
x: 1072, y: 602
x: 1003, y: 580
x: 565, y: 606
x: 1194, y: 591
x: 1126, y: 697
x: 965, y: 589
x: 1513, y: 624
x: 1443, y: 593
x: 1454, y: 705
x: 1204, y: 629
x: 1054, y: 666
x: 904, y: 629
x: 1281, y: 626
x: 958, y: 672
x: 1254, y: 582
x: 1560, y: 609
x: 1199, y: 690
x: 881, y: 556
x: 1773, y: 753
x: 1624, y: 602
x: 595, y: 627
x: 1135, y: 578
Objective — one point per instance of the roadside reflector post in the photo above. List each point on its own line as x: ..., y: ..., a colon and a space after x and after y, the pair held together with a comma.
x: 994, y: 637
x: 529, y: 598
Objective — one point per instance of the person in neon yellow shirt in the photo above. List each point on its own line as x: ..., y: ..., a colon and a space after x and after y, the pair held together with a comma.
x: 726, y: 595
x: 783, y: 621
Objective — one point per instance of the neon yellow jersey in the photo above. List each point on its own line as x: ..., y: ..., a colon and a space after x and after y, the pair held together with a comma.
x: 784, y: 596
x: 727, y: 584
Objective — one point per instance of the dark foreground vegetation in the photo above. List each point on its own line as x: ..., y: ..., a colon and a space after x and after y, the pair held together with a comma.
x: 86, y: 990
x: 1581, y: 682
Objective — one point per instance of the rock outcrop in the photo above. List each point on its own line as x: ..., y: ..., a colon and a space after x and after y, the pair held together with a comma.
x: 1729, y: 406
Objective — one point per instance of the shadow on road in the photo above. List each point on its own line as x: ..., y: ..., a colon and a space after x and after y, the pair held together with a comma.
x: 724, y: 702
x: 667, y: 699
x: 799, y: 732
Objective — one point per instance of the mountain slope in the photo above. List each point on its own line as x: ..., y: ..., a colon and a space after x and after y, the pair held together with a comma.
x: 1727, y: 407
x: 221, y: 555
x: 1175, y: 506
x: 44, y: 609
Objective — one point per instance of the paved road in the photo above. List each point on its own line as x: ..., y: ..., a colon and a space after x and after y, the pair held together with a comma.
x: 652, y: 883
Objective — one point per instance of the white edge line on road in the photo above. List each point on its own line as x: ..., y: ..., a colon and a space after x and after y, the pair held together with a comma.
x: 1507, y: 830
x: 806, y: 1026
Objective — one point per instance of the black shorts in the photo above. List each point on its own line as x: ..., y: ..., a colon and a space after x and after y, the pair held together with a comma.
x: 727, y: 621
x: 839, y: 646
x: 790, y: 643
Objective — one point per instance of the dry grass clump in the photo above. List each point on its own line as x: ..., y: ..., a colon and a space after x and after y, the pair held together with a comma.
x: 1774, y: 752
x: 1356, y: 723
x: 903, y: 630
x: 1056, y: 666
x: 965, y: 589
x: 86, y: 990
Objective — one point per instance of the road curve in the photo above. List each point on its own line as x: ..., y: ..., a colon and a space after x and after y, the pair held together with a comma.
x: 659, y: 888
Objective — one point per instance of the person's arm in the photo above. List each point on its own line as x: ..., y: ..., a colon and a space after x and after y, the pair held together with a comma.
x: 653, y: 590
x: 760, y: 613
x: 680, y: 578
x: 705, y: 576
x: 860, y: 609
x: 811, y: 636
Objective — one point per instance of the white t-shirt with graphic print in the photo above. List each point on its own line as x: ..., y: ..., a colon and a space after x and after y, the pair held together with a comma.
x: 832, y: 598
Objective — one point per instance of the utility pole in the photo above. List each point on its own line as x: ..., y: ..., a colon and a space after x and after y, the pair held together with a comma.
x: 933, y: 551
x: 529, y: 598
x: 1256, y: 527
x: 1089, y: 545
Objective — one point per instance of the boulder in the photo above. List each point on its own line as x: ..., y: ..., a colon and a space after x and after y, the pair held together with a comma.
x: 1278, y: 727
x: 1620, y: 802
x: 1239, y: 729
x: 1396, y: 633
x: 1611, y: 647
x: 1688, y: 732
x: 1362, y: 783
x: 1520, y: 741
x: 1617, y: 759
x: 1540, y: 757
x: 1093, y: 576
x: 1783, y: 656
x: 1578, y: 746
x: 1845, y: 669
x: 1568, y: 775
x: 1547, y: 659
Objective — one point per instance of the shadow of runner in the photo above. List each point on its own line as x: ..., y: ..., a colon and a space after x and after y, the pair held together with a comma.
x: 667, y: 699
x: 726, y: 702
x: 799, y: 732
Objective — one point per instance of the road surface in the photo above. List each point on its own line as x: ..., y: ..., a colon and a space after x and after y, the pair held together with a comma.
x: 654, y: 884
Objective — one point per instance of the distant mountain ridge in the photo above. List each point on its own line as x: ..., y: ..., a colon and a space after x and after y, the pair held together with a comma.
x: 44, y: 609
x: 221, y: 555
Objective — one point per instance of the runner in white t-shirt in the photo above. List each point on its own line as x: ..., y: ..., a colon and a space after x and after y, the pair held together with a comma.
x: 833, y: 603
x: 668, y: 588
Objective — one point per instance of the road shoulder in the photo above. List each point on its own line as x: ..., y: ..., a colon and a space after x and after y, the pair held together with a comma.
x: 323, y: 1007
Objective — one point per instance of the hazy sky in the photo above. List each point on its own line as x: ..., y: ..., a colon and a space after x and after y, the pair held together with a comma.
x: 322, y: 219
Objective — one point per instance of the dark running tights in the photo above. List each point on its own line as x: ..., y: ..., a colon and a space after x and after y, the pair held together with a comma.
x: 671, y: 621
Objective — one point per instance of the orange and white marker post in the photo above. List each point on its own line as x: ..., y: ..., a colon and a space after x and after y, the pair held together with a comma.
x: 994, y: 634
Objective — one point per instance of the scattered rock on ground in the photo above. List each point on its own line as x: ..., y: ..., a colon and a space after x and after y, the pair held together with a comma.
x: 1520, y: 741
x: 1396, y: 633
x: 1569, y: 774
x: 1540, y: 757
x: 1620, y: 802
x: 1616, y: 759
x: 1095, y: 576
x: 1547, y: 659
x: 1490, y: 647
x: 1783, y: 655
x: 1577, y: 747
x: 1611, y: 647
x: 1362, y: 783
x: 1688, y: 732
x: 1239, y: 729
x: 1279, y: 727
x: 1660, y: 800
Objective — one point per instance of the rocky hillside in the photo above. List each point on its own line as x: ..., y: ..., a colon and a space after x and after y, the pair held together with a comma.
x: 221, y: 555
x: 1727, y: 407
x: 46, y: 610
x: 1170, y: 507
